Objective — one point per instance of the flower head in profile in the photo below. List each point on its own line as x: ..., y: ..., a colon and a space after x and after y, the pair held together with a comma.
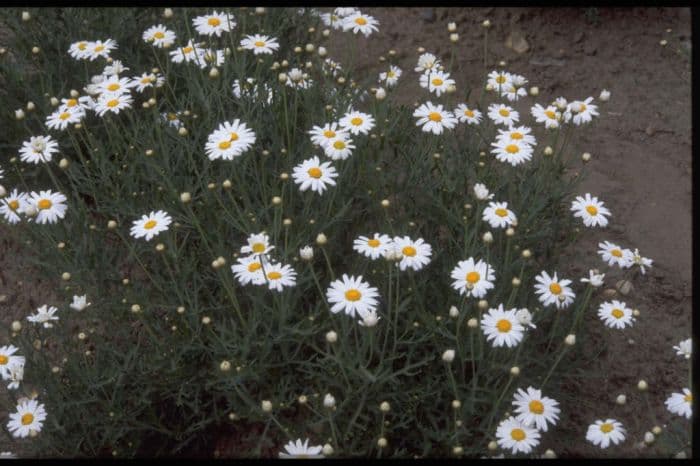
x: 681, y: 403
x: 44, y: 315
x: 151, y: 225
x: 640, y: 261
x: 427, y: 62
x: 191, y: 52
x: 79, y: 303
x: 301, y: 450
x: 684, y: 348
x: 391, y: 77
x: 595, y: 278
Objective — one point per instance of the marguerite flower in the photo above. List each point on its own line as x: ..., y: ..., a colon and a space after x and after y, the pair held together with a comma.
x: 518, y: 134
x: 481, y: 192
x: 591, y: 210
x: 332, y: 20
x: 391, y: 77
x: 323, y: 135
x: 594, y: 278
x: 502, y: 327
x: 113, y: 103
x: 297, y: 79
x: 63, y: 117
x: 498, y: 80
x: 612, y: 254
x: 38, y: 149
x: 473, y: 278
x: 79, y: 303
x: 357, y: 122
x: 681, y: 403
x: 211, y: 57
x: 301, y: 450
x: 550, y: 116
x: 258, y: 244
x: 214, y: 24
x: 159, y: 36
x: 338, y: 148
x: 29, y: 417
x: 373, y: 247
x: 615, y: 314
x: 582, y: 111
x: 432, y: 118
x: 146, y: 80
x: 50, y: 206
x: 360, y: 22
x: 351, y: 295
x: 13, y: 205
x: 551, y: 290
x: 513, y: 152
x: 498, y: 215
x: 150, y: 225
x: 229, y: 140
x: 16, y: 375
x: 114, y: 67
x: 249, y: 270
x: 100, y: 49
x: 468, y: 115
x: 513, y: 92
x: 514, y: 435
x: 188, y: 53
x: 248, y: 88
x: 279, y: 276
x: 602, y: 433
x: 436, y: 81
x: 44, y: 315
x: 259, y: 43
x: 8, y: 358
x: 534, y: 409
x: 503, y: 114
x: 79, y: 50
x: 642, y: 262
x: 114, y: 85
x: 684, y: 348
x: 427, y: 62
x: 313, y: 174
x: 416, y: 254
x: 525, y: 318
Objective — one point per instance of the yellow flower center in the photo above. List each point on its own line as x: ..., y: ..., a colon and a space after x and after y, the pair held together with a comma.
x: 27, y: 419
x: 315, y: 172
x: 99, y: 48
x: 149, y: 225
x: 503, y: 112
x: 3, y: 359
x: 688, y: 398
x: 259, y: 43
x: 361, y: 21
x: 550, y: 114
x: 501, y: 212
x: 258, y: 247
x: 516, y: 135
x: 606, y: 428
x: 329, y: 133
x: 500, y: 79
x: 517, y: 435
x: 581, y: 107
x: 409, y: 251
x: 146, y: 80
x: 536, y: 407
x: 254, y: 266
x: 14, y: 205
x: 44, y: 204
x: 71, y: 103
x: 437, y: 82
x: 373, y: 243
x: 187, y: 50
x: 223, y: 145
x: 504, y: 325
x: 158, y: 35
x: 591, y: 209
x: 233, y: 136
x: 357, y: 121
x: 172, y: 117
x: 473, y: 277
x: 214, y: 22
x: 64, y: 116
x: 555, y: 288
x: 113, y: 87
x: 512, y: 149
x: 113, y: 103
x: 435, y: 116
x: 617, y: 313
x: 274, y: 275
x: 82, y: 45
x: 469, y: 113
x: 616, y: 253
x: 390, y: 74
x: 339, y: 145
x: 353, y: 295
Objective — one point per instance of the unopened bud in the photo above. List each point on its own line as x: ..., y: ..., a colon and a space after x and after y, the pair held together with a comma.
x: 448, y: 356
x: 331, y: 337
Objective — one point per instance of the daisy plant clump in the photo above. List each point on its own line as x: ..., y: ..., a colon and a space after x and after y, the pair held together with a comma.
x: 242, y: 237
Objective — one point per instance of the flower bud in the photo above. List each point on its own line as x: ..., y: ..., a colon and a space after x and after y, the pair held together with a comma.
x: 472, y: 323
x: 549, y: 454
x: 266, y: 406
x: 454, y: 37
x: 321, y: 239
x: 649, y: 438
x: 331, y: 337
x: 382, y: 442
x: 621, y: 399
x: 65, y: 276
x: 329, y: 401
x: 448, y: 356
x: 306, y: 253
x: 534, y: 91
x: 488, y: 237
x: 182, y: 131
x: 548, y: 151
x: 380, y: 94
x: 570, y: 340
x: 586, y: 157
x: 282, y: 77
x: 30, y: 105
x: 168, y: 13
x: 515, y: 371
x: 214, y: 73
x: 19, y: 114
x: 26, y: 16
x: 656, y: 430
x: 454, y: 312
x: 16, y: 326
x: 493, y: 446
x: 604, y: 95
x: 276, y: 200
x: 327, y: 449
x: 642, y: 385
x: 384, y: 407
x: 54, y: 101
x: 225, y: 366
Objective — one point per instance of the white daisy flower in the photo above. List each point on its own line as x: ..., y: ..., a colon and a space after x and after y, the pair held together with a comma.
x: 13, y: 205
x: 503, y: 114
x: 259, y: 43
x: 311, y: 173
x: 351, y: 295
x: 427, y: 62
x: 301, y: 450
x: 229, y: 140
x: 79, y: 303
x: 61, y: 118
x: 612, y: 254
x: 368, y: 318
x: 561, y: 103
x: 38, y: 149
x: 172, y: 119
x: 525, y: 318
x: 591, y: 210
x: 114, y: 85
x: 50, y: 206
x: 332, y: 20
x: 323, y: 135
x: 582, y: 111
x: 79, y: 50
x: 279, y: 276
x: 360, y: 22
x: 416, y: 254
x: 684, y: 348
x: 147, y: 80
x: 514, y: 435
x: 550, y: 116
x: 502, y: 327
x: 551, y: 290
x: 159, y: 36
x: 473, y: 278
x: 615, y: 314
x: 594, y: 278
x: 357, y: 122
x: 681, y: 403
x: 258, y: 244
x: 332, y: 66
x: 498, y: 80
x: 247, y: 88
x: 391, y: 77
x: 513, y: 92
x: 8, y: 358
x: 211, y: 57
x: 642, y: 262
x: 297, y: 79
x: 214, y: 24
x: 602, y: 433
x: 338, y: 148
x: 16, y: 375
x: 44, y: 315
x: 79, y: 104
x: 115, y: 67
x: 189, y: 53
x: 498, y: 215
x: 436, y: 81
x: 100, y: 49
x: 513, y: 152
x: 432, y: 118
x: 373, y: 247
x: 342, y: 12
x: 481, y: 192
x: 467, y: 115
x: 113, y: 103
x: 249, y: 270
x: 533, y: 408
x: 517, y: 134
x: 151, y: 225
x: 30, y: 416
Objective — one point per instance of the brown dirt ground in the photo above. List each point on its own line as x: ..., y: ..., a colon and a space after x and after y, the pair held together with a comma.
x: 641, y: 168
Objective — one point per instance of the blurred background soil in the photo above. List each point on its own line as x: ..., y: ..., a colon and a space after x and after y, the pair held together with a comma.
x: 640, y: 167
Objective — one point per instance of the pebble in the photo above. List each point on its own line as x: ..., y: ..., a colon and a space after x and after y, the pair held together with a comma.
x: 516, y: 41
x: 624, y: 287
